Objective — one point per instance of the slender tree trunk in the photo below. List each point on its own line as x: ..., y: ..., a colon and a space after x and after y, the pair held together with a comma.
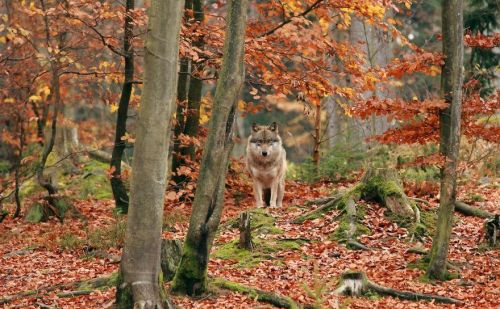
x: 317, y: 136
x: 191, y: 119
x: 119, y: 191
x: 182, y: 93
x: 140, y: 268
x: 192, y: 124
x: 191, y: 277
x: 18, y: 169
x: 451, y: 87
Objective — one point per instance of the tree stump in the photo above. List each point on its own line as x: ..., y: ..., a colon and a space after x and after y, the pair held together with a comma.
x: 384, y: 185
x: 245, y: 231
x: 378, y: 184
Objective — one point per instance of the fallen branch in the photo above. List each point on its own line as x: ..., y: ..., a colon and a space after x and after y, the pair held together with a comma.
x: 468, y: 210
x: 357, y: 283
x: 262, y: 296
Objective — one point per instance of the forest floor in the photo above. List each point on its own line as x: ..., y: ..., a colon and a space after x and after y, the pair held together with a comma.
x: 302, y: 261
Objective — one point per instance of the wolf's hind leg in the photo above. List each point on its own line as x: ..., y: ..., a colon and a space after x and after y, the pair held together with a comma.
x: 281, y: 193
x: 257, y: 191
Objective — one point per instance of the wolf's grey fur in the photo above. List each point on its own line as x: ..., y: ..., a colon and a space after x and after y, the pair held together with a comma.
x: 266, y: 163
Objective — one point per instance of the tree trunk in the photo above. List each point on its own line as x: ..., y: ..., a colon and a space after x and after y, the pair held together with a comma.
x: 245, y: 231
x: 191, y: 127
x: 119, y: 191
x: 182, y: 91
x: 140, y: 266
x: 449, y: 126
x: 191, y: 119
x: 317, y: 137
x: 191, y: 277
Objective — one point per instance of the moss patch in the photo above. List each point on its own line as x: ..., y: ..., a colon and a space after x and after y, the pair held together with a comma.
x: 94, y: 182
x: 262, y: 251
x: 262, y: 223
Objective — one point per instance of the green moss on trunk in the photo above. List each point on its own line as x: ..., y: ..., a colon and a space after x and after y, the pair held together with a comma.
x: 191, y: 275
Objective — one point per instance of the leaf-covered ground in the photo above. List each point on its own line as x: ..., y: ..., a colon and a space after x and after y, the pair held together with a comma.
x: 38, y: 256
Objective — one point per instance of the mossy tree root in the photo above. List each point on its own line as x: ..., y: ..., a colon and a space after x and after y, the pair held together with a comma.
x: 357, y: 283
x: 351, y: 232
x: 468, y: 210
x: 377, y: 184
x: 259, y: 295
x: 326, y: 204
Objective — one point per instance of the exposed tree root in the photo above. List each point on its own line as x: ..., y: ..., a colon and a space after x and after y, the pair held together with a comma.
x: 468, y: 210
x: 357, y: 283
x: 260, y: 295
x: 326, y: 204
x: 380, y: 185
x: 377, y: 184
x: 351, y: 233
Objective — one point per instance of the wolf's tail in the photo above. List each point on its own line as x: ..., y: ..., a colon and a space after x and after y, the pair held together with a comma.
x: 267, y: 196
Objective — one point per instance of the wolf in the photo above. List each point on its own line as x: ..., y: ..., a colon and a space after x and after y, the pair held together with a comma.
x: 266, y: 163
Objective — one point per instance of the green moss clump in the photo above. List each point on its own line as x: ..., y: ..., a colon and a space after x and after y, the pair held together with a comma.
x: 190, y: 278
x: 340, y: 233
x: 36, y: 214
x: 124, y: 297
x: 262, y: 251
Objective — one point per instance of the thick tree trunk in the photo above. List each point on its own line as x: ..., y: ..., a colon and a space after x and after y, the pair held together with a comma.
x: 191, y: 277
x: 140, y: 266
x: 119, y: 191
x: 451, y: 87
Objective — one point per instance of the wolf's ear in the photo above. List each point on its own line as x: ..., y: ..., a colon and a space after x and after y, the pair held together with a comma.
x: 255, y: 127
x: 273, y: 127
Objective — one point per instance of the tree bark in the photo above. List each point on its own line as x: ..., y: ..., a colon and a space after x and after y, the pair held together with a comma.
x: 317, y: 137
x: 191, y: 127
x: 140, y: 266
x: 191, y: 119
x: 449, y: 126
x: 182, y: 90
x: 119, y: 191
x: 245, y: 231
x: 191, y: 277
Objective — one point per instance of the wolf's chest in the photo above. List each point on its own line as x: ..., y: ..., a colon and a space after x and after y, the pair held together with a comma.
x: 265, y: 175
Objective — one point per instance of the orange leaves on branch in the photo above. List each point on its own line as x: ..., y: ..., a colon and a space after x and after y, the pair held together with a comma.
x: 426, y: 62
x: 482, y: 41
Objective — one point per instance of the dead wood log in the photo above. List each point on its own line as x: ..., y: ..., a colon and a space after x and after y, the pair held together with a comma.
x: 468, y: 210
x: 259, y: 295
x: 357, y: 283
x: 245, y: 231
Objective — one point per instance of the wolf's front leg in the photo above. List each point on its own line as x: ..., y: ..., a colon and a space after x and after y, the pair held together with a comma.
x: 274, y: 194
x: 281, y: 193
x: 257, y: 192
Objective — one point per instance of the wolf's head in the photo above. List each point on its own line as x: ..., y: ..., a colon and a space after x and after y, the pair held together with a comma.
x: 265, y: 142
